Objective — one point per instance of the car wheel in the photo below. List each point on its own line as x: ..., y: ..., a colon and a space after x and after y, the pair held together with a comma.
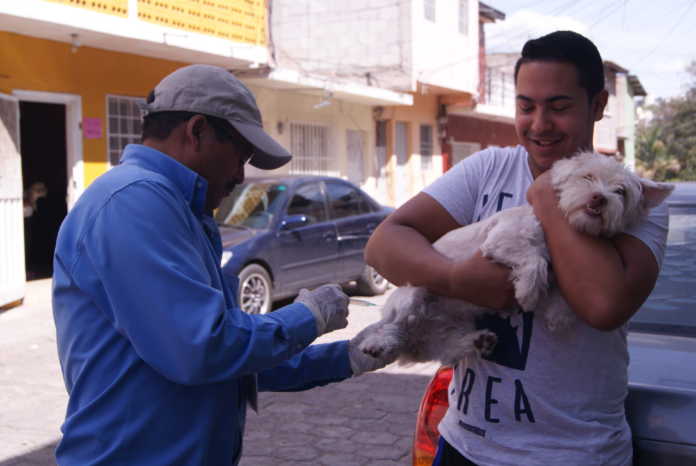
x: 254, y: 290
x: 371, y: 283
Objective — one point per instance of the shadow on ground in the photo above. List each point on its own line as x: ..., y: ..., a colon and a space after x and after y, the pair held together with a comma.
x: 40, y: 457
x: 365, y: 421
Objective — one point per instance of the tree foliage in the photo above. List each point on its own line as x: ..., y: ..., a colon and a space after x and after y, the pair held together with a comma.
x: 666, y: 144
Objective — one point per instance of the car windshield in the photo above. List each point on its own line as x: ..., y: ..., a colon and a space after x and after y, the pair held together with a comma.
x: 251, y: 205
x: 671, y: 307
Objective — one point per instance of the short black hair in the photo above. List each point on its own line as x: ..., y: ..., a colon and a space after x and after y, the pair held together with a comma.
x: 567, y: 47
x: 160, y: 125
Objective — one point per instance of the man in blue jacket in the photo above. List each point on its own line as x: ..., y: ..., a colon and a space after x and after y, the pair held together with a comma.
x: 158, y: 359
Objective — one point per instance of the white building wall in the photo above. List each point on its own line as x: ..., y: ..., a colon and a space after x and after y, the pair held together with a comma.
x: 442, y: 56
x: 345, y: 39
x: 280, y: 108
x: 606, y: 128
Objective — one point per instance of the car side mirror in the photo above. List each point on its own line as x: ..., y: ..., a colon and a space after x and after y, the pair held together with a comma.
x: 293, y: 221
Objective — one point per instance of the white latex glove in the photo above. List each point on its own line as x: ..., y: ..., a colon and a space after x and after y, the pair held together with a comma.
x: 361, y: 362
x: 329, y: 305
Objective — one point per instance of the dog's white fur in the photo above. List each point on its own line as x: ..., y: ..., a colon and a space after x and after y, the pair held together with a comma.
x: 598, y: 195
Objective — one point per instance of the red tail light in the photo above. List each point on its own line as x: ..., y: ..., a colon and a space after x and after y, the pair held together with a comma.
x: 433, y: 407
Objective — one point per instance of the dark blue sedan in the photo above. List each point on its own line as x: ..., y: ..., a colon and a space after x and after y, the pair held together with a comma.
x: 282, y: 234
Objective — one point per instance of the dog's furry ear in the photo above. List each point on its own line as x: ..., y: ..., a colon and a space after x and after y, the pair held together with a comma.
x: 654, y: 193
x: 562, y: 170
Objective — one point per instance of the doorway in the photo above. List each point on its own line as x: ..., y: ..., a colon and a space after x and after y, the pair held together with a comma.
x: 43, y: 149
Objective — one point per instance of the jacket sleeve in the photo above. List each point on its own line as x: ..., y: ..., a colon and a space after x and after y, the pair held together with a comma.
x: 317, y: 365
x: 158, y: 293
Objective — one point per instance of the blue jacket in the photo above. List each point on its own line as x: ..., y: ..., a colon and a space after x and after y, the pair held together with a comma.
x: 158, y: 359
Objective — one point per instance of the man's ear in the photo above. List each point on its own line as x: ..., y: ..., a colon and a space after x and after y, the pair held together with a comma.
x: 599, y: 103
x: 193, y: 129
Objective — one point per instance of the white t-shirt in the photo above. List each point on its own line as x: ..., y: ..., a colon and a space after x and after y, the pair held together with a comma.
x: 542, y: 398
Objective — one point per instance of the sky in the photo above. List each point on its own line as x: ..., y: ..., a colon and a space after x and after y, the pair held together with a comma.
x: 654, y: 39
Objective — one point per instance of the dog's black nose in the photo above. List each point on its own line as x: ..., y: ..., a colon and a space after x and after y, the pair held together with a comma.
x: 597, y: 200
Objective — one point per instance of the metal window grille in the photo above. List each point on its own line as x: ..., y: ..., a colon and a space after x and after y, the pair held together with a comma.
x: 463, y: 17
x: 500, y: 88
x: 426, y: 146
x: 429, y: 10
x: 125, y: 124
x: 461, y: 150
x: 309, y: 146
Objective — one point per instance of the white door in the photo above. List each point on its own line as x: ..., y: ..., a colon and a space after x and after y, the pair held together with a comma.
x: 355, y: 142
x: 12, y: 273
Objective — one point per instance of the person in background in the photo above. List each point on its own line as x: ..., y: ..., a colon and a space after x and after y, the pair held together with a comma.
x: 542, y: 398
x: 158, y: 359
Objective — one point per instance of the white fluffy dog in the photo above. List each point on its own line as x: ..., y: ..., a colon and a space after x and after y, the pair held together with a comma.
x: 598, y: 195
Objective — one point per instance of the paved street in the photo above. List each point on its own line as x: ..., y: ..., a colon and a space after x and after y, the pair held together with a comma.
x: 363, y: 421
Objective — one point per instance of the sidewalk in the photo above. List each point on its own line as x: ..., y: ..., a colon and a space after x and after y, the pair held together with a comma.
x: 366, y: 421
x: 32, y: 394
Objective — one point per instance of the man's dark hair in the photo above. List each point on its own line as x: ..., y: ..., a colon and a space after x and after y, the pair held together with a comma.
x: 568, y: 47
x: 161, y: 124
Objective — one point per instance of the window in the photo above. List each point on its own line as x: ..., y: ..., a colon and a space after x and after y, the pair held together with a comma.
x: 124, y: 124
x: 426, y: 146
x: 309, y: 201
x: 345, y: 200
x: 463, y: 17
x: 461, y: 150
x: 309, y: 147
x: 429, y: 10
x: 500, y: 88
x: 251, y: 204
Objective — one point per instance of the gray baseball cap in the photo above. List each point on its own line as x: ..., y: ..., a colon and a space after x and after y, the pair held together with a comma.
x: 211, y: 90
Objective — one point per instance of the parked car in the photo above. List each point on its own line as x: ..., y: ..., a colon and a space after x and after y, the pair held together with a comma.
x: 282, y: 234
x: 662, y: 345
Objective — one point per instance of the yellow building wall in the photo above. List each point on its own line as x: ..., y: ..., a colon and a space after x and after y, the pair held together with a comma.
x: 423, y: 111
x: 28, y: 63
x: 236, y: 20
x: 109, y: 7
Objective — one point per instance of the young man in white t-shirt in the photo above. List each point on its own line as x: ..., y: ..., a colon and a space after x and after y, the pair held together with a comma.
x: 541, y: 398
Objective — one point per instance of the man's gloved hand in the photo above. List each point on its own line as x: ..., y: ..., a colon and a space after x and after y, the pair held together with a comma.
x: 361, y: 362
x: 329, y: 304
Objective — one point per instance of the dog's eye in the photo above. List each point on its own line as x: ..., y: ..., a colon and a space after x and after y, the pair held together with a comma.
x: 621, y: 191
x: 588, y: 177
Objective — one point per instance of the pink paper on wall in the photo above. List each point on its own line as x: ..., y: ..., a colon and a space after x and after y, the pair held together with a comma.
x: 92, y: 128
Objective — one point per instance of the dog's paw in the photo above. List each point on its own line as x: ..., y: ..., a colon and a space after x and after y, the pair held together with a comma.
x: 527, y: 298
x: 485, y: 342
x: 379, y: 346
x: 531, y: 284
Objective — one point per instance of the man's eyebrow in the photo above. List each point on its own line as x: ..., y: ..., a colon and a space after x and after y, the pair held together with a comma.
x: 555, y: 98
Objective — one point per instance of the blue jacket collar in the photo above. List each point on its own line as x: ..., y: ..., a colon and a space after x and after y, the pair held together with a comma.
x: 193, y: 186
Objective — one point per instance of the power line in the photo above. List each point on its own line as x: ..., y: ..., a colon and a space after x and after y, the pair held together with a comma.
x: 674, y: 27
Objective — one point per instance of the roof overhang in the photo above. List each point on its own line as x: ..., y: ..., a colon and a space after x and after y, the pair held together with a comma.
x: 636, y: 86
x: 614, y: 66
x: 54, y: 21
x: 284, y: 79
x: 488, y: 14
